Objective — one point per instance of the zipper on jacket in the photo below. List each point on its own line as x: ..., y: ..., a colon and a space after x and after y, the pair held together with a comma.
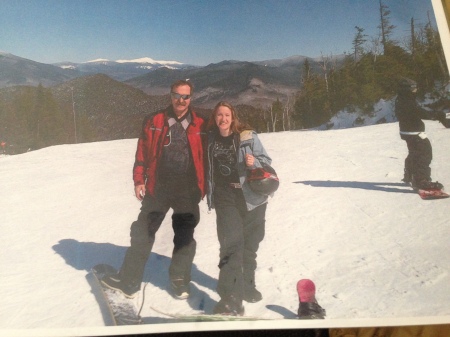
x: 211, y: 170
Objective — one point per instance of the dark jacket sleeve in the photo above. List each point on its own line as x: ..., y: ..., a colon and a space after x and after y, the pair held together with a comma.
x: 410, y: 114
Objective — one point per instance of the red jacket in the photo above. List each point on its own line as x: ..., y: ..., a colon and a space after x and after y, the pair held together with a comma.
x: 150, y: 146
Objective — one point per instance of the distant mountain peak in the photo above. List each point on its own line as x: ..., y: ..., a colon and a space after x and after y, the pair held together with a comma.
x: 148, y: 60
x: 142, y: 60
x: 98, y: 60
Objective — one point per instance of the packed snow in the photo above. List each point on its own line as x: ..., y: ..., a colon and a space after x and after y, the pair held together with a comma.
x: 376, y: 251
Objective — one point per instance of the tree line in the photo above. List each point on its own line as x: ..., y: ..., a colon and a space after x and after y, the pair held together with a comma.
x: 369, y: 72
x: 31, y: 119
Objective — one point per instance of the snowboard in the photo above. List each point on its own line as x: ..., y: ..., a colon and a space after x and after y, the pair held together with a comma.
x: 122, y: 310
x: 308, y: 308
x: 204, y: 317
x: 432, y: 194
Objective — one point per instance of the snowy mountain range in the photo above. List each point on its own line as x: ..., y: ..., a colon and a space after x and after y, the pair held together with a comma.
x: 122, y: 70
x: 256, y: 83
x: 16, y: 70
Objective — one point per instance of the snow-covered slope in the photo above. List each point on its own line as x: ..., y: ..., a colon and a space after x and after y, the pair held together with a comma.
x: 377, y: 252
x: 382, y: 113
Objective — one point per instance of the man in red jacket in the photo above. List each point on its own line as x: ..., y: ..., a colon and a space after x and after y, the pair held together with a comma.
x: 168, y: 173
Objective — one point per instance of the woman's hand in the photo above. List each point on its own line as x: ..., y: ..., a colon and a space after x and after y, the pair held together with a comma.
x: 249, y: 160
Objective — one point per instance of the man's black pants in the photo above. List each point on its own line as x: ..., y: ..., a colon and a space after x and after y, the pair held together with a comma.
x: 185, y: 218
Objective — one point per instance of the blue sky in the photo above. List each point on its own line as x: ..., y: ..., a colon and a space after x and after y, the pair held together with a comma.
x: 193, y: 31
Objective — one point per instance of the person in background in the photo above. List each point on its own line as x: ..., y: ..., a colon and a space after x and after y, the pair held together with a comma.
x: 168, y: 173
x: 233, y: 149
x: 417, y: 170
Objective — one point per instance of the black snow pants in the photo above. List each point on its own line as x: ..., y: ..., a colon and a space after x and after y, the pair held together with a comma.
x: 239, y: 232
x: 420, y: 154
x: 184, y: 202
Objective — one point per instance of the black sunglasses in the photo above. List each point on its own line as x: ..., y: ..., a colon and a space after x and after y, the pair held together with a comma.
x: 178, y: 96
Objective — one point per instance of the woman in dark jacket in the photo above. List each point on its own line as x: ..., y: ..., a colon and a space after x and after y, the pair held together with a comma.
x: 233, y: 149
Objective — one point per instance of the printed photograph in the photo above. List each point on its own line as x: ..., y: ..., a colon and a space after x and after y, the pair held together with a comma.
x: 187, y: 166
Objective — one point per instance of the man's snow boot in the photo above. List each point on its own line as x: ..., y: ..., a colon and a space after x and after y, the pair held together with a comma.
x: 180, y: 289
x: 127, y: 289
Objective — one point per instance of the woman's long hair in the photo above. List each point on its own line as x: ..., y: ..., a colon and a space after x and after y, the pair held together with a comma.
x: 236, y: 125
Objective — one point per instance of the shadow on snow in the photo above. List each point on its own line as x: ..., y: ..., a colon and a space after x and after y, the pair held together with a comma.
x: 85, y: 255
x: 372, y: 186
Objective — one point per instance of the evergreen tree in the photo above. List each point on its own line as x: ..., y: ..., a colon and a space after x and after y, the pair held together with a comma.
x: 303, y: 104
x: 312, y: 106
x: 23, y: 123
x: 47, y: 122
x: 358, y: 42
x: 386, y: 27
